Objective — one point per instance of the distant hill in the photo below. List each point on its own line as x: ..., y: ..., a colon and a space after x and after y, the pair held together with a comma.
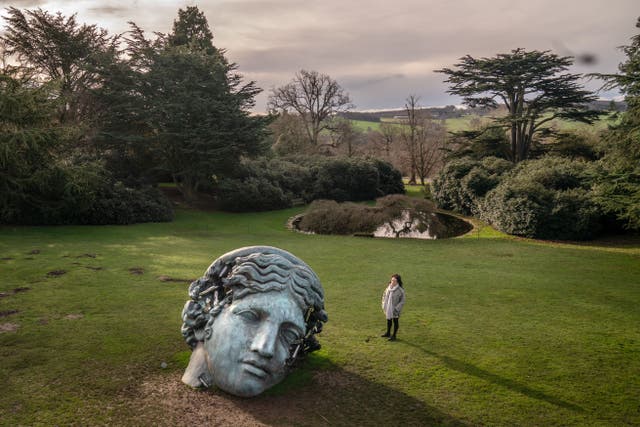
x: 448, y: 112
x: 452, y: 112
x: 608, y: 105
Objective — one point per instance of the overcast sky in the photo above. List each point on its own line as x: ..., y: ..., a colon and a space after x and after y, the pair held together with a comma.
x: 380, y: 51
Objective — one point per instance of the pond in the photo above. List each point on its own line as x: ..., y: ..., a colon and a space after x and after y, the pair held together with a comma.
x: 446, y: 226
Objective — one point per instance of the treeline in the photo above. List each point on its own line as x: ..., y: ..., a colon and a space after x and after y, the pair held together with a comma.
x: 90, y: 123
x: 438, y: 113
x: 545, y: 184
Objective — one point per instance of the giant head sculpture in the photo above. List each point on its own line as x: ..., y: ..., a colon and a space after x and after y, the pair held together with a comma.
x: 251, y: 316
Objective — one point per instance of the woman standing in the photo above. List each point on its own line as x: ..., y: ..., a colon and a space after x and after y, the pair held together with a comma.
x: 392, y: 302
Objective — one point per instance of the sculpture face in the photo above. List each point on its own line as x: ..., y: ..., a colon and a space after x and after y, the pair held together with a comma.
x: 249, y: 342
x: 253, y: 314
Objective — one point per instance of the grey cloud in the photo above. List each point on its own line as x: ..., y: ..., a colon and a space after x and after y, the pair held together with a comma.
x: 27, y: 4
x: 358, y: 84
x: 109, y: 10
x: 381, y: 51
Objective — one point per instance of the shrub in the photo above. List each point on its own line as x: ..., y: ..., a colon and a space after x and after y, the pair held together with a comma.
x: 330, y: 217
x: 84, y: 195
x: 346, y: 179
x: 549, y: 198
x: 390, y: 178
x: 251, y: 195
x: 487, y: 141
x: 574, y: 145
x: 463, y: 182
x: 264, y: 184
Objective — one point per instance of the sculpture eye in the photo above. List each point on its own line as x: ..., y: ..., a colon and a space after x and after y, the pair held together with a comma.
x: 289, y: 335
x: 249, y: 315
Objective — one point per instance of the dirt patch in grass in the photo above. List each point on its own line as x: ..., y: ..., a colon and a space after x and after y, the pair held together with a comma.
x: 136, y: 270
x: 14, y: 291
x: 8, y: 327
x: 93, y: 268
x: 56, y: 273
x: 334, y: 397
x: 74, y: 316
x: 164, y: 278
x: 167, y: 401
x: 86, y: 256
x: 6, y: 313
x: 34, y: 252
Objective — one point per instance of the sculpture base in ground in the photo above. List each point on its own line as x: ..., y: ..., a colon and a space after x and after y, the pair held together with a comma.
x: 196, y: 373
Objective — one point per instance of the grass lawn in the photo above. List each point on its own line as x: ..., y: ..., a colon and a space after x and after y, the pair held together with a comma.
x: 496, y: 330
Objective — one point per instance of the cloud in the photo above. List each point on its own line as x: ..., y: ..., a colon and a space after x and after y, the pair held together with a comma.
x: 108, y: 10
x: 29, y: 4
x: 379, y: 51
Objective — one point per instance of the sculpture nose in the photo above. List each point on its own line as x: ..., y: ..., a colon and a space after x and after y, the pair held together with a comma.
x: 264, y: 342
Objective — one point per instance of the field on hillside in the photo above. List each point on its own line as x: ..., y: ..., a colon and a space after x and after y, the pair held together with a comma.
x: 466, y: 123
x: 496, y: 330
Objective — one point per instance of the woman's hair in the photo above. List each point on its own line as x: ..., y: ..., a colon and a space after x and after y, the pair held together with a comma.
x: 398, y: 278
x: 251, y: 270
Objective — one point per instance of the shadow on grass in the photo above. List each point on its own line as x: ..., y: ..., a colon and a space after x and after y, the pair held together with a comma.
x: 317, y: 394
x: 338, y: 397
x: 469, y: 369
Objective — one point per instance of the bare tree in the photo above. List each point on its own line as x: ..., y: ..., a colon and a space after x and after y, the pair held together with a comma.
x: 409, y: 135
x: 430, y: 144
x: 315, y: 97
x: 423, y: 141
x: 344, y: 136
x: 289, y: 135
x: 388, y: 134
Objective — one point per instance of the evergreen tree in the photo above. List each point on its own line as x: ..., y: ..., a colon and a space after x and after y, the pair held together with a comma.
x: 533, y: 86
x: 183, y: 105
x: 192, y: 29
x: 619, y: 186
x: 64, y: 51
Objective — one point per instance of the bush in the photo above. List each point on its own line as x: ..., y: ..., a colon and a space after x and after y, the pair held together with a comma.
x: 463, y: 182
x: 330, y: 217
x: 485, y: 142
x: 264, y: 184
x: 574, y: 145
x: 83, y: 195
x: 346, y: 179
x: 125, y: 205
x: 251, y: 195
x: 390, y: 178
x: 549, y: 198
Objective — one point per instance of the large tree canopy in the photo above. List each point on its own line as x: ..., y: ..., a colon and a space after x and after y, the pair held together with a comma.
x: 178, y: 100
x: 62, y: 50
x: 620, y: 186
x: 315, y: 97
x: 533, y: 86
x: 192, y: 29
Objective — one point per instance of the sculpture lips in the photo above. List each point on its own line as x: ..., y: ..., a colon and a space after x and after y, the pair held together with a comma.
x: 255, y: 368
